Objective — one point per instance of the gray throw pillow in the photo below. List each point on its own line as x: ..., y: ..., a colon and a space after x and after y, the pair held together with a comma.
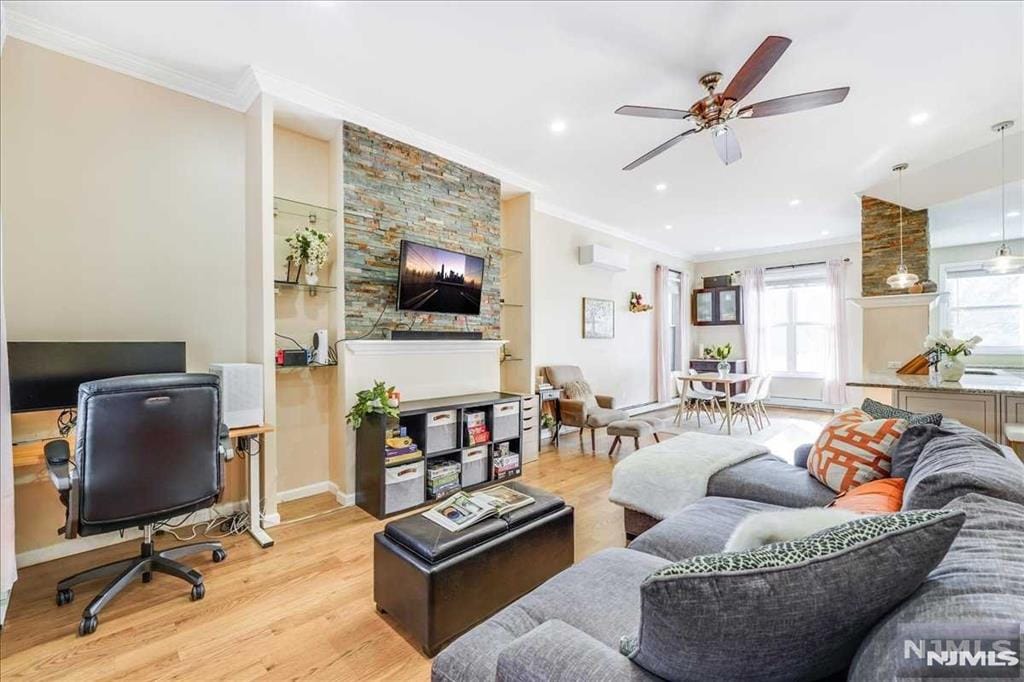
x: 908, y: 448
x: 580, y: 390
x: 882, y: 411
x: 793, y: 610
x: 957, y: 464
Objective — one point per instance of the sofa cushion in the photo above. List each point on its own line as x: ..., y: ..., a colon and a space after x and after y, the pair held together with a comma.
x: 908, y: 448
x: 980, y: 580
x: 794, y: 610
x: 599, y: 596
x: 602, y: 416
x: 853, y: 449
x: 882, y: 411
x: 559, y: 375
x: 700, y: 528
x: 766, y: 478
x: 956, y: 464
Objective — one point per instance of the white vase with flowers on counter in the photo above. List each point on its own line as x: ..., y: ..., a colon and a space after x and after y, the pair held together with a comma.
x: 948, y: 352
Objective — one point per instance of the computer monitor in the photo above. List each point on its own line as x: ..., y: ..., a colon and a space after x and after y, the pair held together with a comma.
x: 45, y: 374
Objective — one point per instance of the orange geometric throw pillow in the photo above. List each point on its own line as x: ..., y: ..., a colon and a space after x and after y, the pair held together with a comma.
x: 853, y: 449
x: 883, y: 496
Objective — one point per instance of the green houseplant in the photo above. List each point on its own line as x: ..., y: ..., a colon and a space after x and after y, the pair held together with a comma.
x: 372, y: 400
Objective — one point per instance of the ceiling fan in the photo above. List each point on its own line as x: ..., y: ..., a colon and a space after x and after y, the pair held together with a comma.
x: 716, y: 109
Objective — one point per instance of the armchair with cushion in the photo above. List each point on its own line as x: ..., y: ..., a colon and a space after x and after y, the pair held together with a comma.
x: 147, y: 448
x: 579, y: 406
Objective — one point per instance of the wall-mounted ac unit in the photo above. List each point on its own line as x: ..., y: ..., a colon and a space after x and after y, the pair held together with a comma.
x: 604, y: 258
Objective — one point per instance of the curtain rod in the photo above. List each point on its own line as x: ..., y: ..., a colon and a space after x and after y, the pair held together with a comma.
x: 802, y: 265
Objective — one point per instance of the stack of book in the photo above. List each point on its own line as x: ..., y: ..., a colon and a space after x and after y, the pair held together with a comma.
x: 443, y: 478
x: 506, y: 463
x: 400, y: 449
x: 476, y: 428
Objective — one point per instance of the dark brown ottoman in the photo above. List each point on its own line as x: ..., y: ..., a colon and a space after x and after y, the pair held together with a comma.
x: 438, y: 584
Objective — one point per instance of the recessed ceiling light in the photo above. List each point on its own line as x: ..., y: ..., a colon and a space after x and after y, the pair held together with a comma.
x: 661, y: 187
x: 919, y: 118
x: 1013, y: 214
x: 794, y: 202
x: 558, y: 126
x: 824, y: 233
x: 668, y: 227
x: 718, y: 248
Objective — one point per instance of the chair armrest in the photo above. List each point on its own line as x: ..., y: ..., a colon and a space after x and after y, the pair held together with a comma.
x: 64, y: 476
x: 555, y: 650
x: 605, y: 401
x: 572, y: 412
x: 58, y: 463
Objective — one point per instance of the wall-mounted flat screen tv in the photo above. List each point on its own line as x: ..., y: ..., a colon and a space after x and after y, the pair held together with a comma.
x: 433, y: 280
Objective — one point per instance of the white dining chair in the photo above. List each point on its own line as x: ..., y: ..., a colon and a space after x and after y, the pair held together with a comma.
x: 764, y: 392
x: 701, y: 390
x: 691, y: 402
x: 745, y: 404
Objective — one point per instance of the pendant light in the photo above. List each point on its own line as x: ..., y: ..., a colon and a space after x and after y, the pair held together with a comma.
x: 1005, y: 262
x: 902, y: 279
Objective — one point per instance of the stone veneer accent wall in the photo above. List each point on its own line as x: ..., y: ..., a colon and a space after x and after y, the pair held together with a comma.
x: 394, y: 191
x: 880, y: 244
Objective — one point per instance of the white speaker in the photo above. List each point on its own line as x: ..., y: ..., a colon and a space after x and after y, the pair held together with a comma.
x: 318, y: 352
x: 241, y: 392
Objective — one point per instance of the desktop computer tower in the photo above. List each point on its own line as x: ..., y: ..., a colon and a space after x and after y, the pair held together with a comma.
x: 241, y: 392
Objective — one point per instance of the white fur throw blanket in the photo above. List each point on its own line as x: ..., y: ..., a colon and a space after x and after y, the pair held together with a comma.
x: 661, y: 479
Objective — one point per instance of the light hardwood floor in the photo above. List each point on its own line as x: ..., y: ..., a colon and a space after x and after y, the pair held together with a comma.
x: 302, y: 609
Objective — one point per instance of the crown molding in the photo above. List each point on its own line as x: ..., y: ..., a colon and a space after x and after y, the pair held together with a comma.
x: 784, y: 248
x: 29, y: 29
x: 564, y: 214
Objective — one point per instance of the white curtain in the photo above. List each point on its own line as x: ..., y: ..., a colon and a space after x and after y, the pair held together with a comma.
x: 683, y: 348
x: 755, y: 333
x: 662, y: 336
x: 8, y: 567
x: 836, y: 358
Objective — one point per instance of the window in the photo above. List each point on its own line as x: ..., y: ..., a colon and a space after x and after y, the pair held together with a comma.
x: 984, y: 304
x: 796, y: 317
x: 675, y: 283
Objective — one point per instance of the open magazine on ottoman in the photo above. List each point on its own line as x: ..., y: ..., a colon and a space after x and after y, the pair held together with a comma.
x: 462, y: 510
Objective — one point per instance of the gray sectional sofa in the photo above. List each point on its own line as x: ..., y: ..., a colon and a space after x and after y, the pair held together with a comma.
x: 570, y: 627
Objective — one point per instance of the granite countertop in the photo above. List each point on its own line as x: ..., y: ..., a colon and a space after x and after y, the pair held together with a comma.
x: 1000, y: 381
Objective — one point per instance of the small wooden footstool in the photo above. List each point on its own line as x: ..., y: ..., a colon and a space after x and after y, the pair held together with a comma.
x: 632, y: 428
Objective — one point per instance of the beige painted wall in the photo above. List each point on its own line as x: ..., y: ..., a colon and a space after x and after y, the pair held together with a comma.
x: 793, y: 388
x: 123, y: 207
x: 623, y: 366
x: 301, y: 173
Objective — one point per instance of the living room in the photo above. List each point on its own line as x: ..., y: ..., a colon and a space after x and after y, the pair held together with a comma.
x: 408, y: 275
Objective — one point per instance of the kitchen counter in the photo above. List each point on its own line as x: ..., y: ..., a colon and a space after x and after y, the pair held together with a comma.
x: 1000, y: 381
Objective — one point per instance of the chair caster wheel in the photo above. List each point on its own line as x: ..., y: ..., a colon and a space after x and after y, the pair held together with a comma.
x: 65, y: 596
x: 198, y: 592
x: 219, y: 555
x: 87, y: 626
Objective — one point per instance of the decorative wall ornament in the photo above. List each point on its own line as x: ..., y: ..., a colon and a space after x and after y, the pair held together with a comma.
x: 637, y: 304
x: 598, y: 318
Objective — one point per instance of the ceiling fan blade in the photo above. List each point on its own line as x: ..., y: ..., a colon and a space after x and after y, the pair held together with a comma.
x: 757, y: 65
x: 726, y: 144
x: 785, y: 105
x: 652, y: 112
x: 659, y: 149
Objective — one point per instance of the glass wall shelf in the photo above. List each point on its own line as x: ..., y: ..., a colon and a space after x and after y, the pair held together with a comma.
x: 312, y: 365
x: 319, y: 217
x: 312, y: 289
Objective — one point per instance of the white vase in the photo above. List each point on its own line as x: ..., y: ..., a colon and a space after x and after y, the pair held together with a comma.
x: 312, y: 277
x: 723, y: 368
x: 951, y: 368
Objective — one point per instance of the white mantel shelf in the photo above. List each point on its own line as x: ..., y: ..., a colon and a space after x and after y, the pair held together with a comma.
x: 897, y: 300
x: 424, y: 347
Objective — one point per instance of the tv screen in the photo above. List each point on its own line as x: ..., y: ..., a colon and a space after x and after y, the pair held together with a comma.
x: 433, y: 280
x: 45, y: 375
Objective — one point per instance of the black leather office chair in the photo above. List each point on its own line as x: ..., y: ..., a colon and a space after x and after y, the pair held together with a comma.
x: 147, y: 448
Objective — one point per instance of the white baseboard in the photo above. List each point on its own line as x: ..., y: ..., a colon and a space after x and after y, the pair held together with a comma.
x: 344, y: 499
x: 84, y: 544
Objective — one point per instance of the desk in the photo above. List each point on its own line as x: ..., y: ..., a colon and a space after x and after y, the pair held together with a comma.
x: 727, y: 383
x: 30, y: 453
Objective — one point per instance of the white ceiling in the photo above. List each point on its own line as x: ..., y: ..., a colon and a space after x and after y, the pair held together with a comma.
x: 975, y: 219
x: 490, y: 77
